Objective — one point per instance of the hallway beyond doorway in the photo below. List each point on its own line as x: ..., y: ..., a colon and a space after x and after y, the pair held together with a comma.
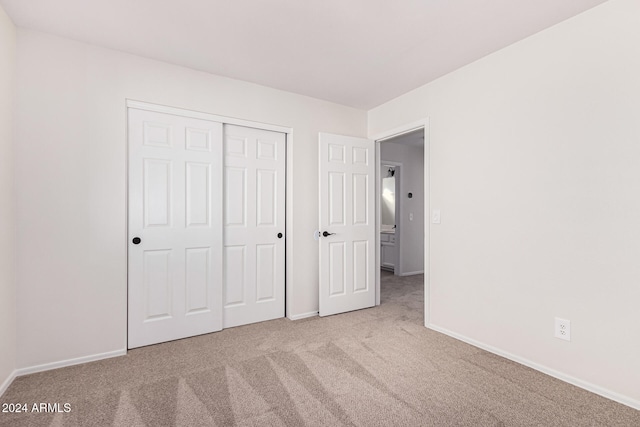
x: 406, y: 291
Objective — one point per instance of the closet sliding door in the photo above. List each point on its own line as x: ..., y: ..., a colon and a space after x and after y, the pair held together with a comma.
x: 206, y: 224
x: 175, y: 227
x: 254, y: 225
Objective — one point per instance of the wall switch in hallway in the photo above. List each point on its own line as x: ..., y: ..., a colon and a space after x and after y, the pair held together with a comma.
x: 563, y: 329
x: 435, y: 217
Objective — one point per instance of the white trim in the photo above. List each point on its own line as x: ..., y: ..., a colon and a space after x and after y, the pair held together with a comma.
x: 5, y: 385
x: 378, y: 222
x: 288, y: 222
x: 427, y: 221
x: 401, y: 130
x: 410, y: 127
x: 183, y: 112
x: 411, y: 273
x: 303, y: 315
x: 69, y: 362
x: 625, y: 400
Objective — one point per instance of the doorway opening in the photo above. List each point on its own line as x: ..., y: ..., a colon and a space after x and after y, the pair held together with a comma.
x: 402, y: 205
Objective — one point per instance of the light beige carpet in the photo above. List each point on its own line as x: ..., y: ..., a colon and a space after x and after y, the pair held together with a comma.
x: 374, y: 367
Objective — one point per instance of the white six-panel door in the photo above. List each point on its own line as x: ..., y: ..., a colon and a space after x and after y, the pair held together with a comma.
x: 175, y: 183
x: 347, y: 217
x: 254, y: 225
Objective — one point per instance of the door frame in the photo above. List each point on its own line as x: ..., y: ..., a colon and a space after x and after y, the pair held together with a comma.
x: 288, y: 131
x: 386, y: 135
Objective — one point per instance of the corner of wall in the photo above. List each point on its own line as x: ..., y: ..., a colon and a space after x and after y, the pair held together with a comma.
x: 8, y: 330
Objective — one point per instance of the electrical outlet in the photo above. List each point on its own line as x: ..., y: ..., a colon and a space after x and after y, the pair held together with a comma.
x: 563, y: 329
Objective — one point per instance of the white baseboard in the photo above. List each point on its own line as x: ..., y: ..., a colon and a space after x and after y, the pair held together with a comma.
x: 303, y: 315
x: 5, y: 385
x: 625, y: 400
x: 69, y: 362
x: 411, y: 273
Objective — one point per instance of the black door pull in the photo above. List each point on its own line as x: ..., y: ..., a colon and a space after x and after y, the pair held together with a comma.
x: 136, y: 240
x: 326, y: 233
x: 279, y: 235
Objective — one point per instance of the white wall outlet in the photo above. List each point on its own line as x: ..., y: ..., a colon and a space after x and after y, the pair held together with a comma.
x: 411, y: 216
x: 435, y: 216
x: 563, y: 329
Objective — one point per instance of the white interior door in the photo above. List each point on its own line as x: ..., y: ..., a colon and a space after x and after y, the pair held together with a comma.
x: 175, y: 227
x: 347, y: 223
x: 254, y: 225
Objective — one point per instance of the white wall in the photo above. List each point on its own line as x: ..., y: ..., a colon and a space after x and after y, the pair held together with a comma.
x: 412, y: 181
x: 535, y: 154
x: 71, y: 183
x: 7, y: 260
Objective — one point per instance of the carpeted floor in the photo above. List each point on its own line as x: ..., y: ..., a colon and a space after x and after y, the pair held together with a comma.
x: 374, y: 367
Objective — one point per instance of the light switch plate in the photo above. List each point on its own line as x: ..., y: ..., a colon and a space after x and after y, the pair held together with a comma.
x: 435, y: 217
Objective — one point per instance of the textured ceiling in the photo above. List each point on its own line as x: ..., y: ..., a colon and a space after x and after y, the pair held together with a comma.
x: 359, y: 53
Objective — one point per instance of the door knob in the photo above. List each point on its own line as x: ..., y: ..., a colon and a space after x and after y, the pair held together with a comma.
x: 136, y: 240
x: 279, y: 235
x: 326, y: 233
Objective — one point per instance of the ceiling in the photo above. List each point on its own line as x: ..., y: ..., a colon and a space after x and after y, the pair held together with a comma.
x: 359, y: 53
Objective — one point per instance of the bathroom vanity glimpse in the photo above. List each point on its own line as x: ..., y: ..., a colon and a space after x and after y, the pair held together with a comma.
x: 388, y: 254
